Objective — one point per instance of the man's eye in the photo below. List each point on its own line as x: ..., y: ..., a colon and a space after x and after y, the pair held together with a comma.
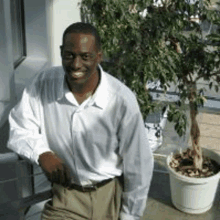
x: 86, y: 56
x: 68, y: 56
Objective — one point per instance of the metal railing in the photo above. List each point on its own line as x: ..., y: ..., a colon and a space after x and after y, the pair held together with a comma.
x: 23, y: 180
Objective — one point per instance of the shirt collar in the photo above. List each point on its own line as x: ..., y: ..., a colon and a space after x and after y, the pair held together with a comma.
x: 101, y: 96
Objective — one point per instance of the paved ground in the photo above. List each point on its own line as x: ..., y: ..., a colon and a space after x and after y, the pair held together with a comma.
x: 159, y: 205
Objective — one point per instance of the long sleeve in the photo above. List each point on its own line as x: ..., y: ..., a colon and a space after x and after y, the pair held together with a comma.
x: 26, y: 131
x: 137, y: 166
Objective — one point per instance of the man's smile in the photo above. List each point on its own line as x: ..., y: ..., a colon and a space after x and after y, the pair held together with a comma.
x: 77, y: 74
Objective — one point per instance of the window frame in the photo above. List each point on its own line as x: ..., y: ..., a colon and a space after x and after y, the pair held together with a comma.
x: 20, y: 16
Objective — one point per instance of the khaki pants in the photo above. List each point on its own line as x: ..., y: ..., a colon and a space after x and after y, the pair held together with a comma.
x: 70, y: 204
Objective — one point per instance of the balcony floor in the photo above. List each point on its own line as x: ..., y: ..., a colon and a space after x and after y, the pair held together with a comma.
x: 159, y: 205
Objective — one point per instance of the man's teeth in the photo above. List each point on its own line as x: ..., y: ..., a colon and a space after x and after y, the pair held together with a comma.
x: 79, y: 74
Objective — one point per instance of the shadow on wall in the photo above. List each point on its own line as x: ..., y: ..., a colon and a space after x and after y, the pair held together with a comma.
x: 4, y: 135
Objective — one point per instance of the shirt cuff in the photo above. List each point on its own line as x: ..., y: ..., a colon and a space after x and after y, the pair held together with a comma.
x: 37, y: 152
x: 125, y: 216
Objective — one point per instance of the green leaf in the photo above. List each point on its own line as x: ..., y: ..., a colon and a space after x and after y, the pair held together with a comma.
x: 140, y: 44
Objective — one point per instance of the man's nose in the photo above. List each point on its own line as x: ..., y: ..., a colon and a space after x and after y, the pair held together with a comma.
x: 77, y: 62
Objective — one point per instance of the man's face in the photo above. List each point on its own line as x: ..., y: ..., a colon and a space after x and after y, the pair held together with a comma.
x: 80, y: 57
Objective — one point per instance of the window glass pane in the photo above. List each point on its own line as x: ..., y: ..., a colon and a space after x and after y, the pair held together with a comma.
x: 18, y: 33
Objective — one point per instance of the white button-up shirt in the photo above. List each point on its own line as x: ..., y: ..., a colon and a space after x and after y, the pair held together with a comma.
x: 102, y: 138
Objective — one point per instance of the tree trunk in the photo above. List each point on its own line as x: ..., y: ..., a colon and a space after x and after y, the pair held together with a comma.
x: 195, y: 132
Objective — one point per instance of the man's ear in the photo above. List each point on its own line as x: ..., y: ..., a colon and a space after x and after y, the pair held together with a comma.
x: 100, y: 56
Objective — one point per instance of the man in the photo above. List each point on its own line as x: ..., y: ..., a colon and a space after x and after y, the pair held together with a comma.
x: 84, y: 128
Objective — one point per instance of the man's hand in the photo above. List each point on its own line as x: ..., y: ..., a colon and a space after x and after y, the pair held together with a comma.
x: 54, y: 168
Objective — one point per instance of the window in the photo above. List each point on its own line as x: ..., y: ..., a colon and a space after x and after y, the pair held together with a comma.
x: 18, y: 31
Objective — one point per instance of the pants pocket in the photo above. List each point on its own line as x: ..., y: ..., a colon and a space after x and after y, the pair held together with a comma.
x: 52, y: 213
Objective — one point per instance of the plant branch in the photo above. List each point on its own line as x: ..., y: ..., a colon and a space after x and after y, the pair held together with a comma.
x: 210, y: 75
x: 190, y: 76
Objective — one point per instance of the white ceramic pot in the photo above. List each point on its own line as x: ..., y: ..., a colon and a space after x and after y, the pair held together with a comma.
x: 193, y: 195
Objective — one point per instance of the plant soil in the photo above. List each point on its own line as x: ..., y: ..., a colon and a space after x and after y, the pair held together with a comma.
x: 182, y: 163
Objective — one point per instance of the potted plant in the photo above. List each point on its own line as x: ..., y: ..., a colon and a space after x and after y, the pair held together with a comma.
x: 152, y: 40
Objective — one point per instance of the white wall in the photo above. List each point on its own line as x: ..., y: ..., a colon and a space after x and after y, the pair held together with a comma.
x: 37, y: 26
x: 6, y: 64
x: 65, y: 12
x: 45, y: 21
x: 13, y: 81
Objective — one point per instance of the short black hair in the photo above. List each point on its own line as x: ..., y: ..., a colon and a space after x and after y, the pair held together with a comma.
x: 85, y: 28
